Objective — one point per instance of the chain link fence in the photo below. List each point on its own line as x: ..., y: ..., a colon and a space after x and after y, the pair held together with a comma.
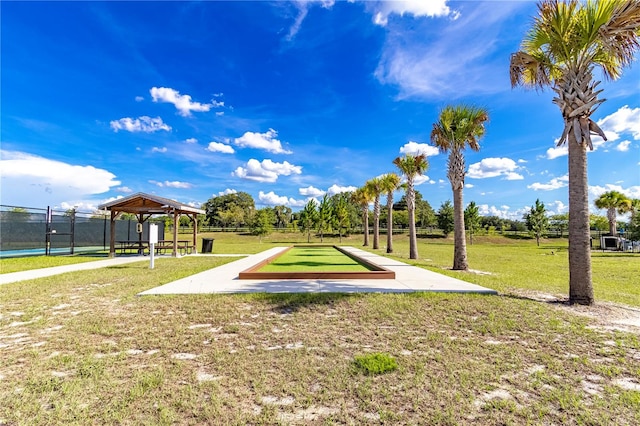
x: 28, y: 231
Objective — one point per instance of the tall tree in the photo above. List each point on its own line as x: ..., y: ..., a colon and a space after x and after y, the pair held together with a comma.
x: 241, y: 203
x: 362, y: 197
x: 262, y: 222
x: 472, y: 219
x: 390, y: 184
x: 459, y: 127
x: 614, y: 202
x: 445, y: 217
x: 309, y: 217
x: 374, y: 186
x: 340, y: 209
x: 565, y: 43
x: 325, y: 213
x: 411, y: 166
x: 537, y: 220
x: 559, y: 222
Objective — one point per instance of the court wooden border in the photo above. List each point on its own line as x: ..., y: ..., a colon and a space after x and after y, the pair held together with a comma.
x: 377, y: 272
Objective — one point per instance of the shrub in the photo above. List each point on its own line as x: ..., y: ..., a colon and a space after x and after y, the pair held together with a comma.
x: 376, y: 363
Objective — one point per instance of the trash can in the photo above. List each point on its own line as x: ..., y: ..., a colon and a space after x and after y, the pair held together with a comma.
x: 207, y: 245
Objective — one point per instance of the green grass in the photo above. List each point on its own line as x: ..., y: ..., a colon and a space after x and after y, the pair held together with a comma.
x: 313, y: 259
x: 17, y: 264
x: 82, y: 348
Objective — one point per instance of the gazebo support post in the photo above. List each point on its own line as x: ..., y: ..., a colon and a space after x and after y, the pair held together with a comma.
x: 176, y: 222
x: 112, y: 236
x: 194, y: 218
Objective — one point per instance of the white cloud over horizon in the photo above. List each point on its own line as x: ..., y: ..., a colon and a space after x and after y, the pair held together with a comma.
x: 227, y: 192
x: 25, y: 176
x: 337, y: 189
x: 311, y: 191
x: 272, y: 199
x: 495, y: 167
x: 144, y: 124
x: 266, y: 141
x: 266, y: 171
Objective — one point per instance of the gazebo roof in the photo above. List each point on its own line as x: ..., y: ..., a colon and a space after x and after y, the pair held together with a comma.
x: 149, y: 204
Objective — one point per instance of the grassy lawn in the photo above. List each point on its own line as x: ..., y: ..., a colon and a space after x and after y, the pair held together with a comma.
x: 82, y: 348
x: 18, y: 264
x: 313, y: 259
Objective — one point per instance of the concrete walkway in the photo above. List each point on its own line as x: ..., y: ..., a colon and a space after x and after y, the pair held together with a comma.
x: 56, y: 270
x: 224, y: 279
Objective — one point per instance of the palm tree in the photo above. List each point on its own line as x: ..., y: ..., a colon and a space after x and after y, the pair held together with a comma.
x: 411, y: 166
x: 361, y: 197
x: 635, y: 207
x: 459, y: 127
x: 562, y: 48
x: 374, y: 186
x: 390, y: 183
x: 614, y: 202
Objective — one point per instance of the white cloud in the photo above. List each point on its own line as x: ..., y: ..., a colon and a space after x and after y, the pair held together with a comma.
x: 494, y: 167
x: 521, y: 161
x: 557, y: 151
x: 417, y: 8
x: 336, y: 189
x: 265, y: 171
x: 468, y: 185
x: 555, y: 183
x: 139, y: 99
x: 433, y: 58
x: 623, y: 120
x: 26, y: 177
x: 220, y: 147
x: 124, y: 189
x: 183, y: 103
x: 141, y: 124
x: 171, y: 184
x: 415, y: 148
x: 310, y: 191
x: 272, y: 199
x: 303, y: 9
x: 557, y: 207
x: 161, y: 150
x: 420, y: 179
x: 503, y: 212
x: 219, y: 113
x: 191, y: 140
x: 227, y: 192
x: 266, y: 141
x: 632, y: 192
x: 623, y: 146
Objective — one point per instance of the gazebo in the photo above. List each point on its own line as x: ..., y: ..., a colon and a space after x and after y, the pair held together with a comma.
x: 144, y: 206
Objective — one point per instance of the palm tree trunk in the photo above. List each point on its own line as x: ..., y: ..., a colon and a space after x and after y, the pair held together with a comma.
x: 460, y: 243
x: 365, y: 220
x: 376, y: 223
x: 580, y: 284
x: 411, y: 208
x: 611, y: 215
x: 390, y: 226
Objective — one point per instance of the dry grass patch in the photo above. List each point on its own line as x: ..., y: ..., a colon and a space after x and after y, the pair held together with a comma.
x: 83, y: 349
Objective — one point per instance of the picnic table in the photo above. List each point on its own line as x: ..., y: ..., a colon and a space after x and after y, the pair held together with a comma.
x: 161, y: 247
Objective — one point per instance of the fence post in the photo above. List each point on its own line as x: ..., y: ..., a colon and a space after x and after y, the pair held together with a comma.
x: 73, y: 229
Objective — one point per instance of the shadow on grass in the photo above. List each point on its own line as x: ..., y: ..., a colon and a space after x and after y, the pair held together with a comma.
x: 287, y: 303
x: 519, y: 237
x: 431, y: 236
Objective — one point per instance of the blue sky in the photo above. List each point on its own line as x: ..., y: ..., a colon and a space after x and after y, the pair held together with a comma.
x: 283, y: 100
